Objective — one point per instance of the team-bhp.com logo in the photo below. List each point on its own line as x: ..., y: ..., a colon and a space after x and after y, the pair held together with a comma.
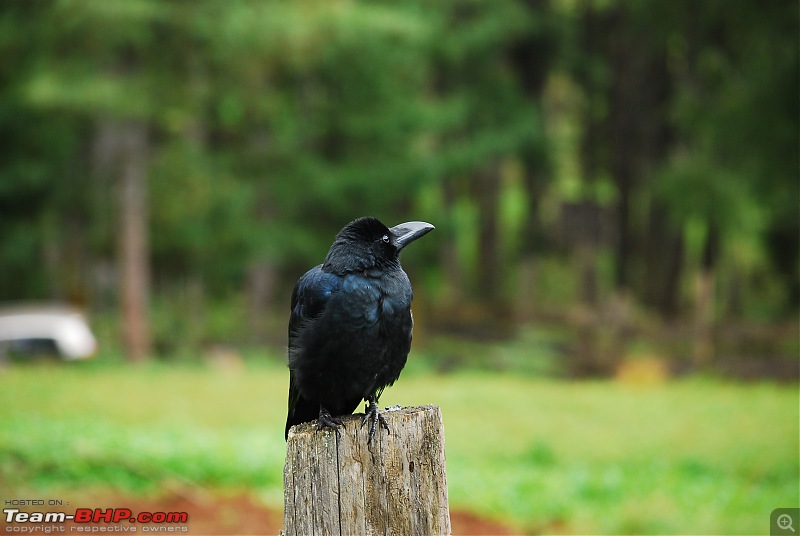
x: 94, y: 516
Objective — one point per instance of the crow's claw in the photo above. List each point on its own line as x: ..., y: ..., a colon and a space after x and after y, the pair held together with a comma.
x: 373, y: 414
x: 326, y: 420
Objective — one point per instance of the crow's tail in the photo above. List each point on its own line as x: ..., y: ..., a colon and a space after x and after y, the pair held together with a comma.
x: 300, y: 409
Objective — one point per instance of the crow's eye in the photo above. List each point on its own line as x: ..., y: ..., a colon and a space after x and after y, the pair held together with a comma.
x: 385, y: 239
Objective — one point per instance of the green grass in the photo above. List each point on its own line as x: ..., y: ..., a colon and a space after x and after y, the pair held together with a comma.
x: 690, y: 457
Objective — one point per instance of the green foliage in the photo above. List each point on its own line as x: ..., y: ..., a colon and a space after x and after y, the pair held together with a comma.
x: 271, y: 124
x: 686, y: 457
x: 737, y: 120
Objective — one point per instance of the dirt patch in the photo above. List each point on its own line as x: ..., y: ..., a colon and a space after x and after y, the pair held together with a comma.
x: 221, y: 514
x: 468, y: 524
x: 206, y: 514
x: 239, y: 514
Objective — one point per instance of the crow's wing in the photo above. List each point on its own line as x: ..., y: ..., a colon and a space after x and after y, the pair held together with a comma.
x: 309, y: 299
x: 310, y: 296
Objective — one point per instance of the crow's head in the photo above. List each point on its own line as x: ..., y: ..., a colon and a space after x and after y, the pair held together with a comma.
x: 366, y: 243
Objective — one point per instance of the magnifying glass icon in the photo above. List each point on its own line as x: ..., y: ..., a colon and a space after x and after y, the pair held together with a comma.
x: 785, y: 522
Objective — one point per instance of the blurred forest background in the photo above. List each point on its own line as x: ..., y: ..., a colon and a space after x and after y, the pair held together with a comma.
x: 622, y: 176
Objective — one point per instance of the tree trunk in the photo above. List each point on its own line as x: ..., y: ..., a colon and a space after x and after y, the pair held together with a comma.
x: 489, y: 265
x: 337, y: 484
x: 133, y: 239
x: 448, y: 252
x: 703, y: 346
x: 664, y: 258
x: 261, y: 282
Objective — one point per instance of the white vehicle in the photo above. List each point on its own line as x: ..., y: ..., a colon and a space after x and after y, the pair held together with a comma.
x: 64, y: 327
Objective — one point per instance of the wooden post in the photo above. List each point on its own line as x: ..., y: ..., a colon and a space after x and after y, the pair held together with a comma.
x: 339, y: 485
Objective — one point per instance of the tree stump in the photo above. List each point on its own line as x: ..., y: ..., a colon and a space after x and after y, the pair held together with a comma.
x: 339, y: 485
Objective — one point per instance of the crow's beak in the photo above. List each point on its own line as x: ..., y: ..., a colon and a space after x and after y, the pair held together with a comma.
x: 405, y: 233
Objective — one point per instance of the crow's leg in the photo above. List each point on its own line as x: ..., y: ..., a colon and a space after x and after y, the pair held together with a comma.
x: 326, y: 420
x: 373, y: 414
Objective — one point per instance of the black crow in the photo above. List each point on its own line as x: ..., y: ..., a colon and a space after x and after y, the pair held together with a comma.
x: 350, y: 327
